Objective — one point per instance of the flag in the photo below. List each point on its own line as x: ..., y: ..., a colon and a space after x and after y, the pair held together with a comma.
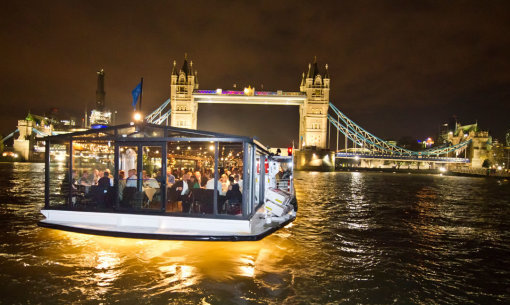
x: 136, y: 93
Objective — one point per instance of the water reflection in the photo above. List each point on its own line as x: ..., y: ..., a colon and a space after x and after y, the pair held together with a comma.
x: 176, y: 277
x: 359, y: 238
x: 170, y: 266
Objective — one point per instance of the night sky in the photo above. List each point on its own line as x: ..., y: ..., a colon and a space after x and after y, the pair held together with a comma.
x: 398, y: 68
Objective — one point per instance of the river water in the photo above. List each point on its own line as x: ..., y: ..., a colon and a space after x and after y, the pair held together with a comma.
x: 360, y: 238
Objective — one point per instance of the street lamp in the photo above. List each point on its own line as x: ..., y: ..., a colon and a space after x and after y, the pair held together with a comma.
x: 137, y: 116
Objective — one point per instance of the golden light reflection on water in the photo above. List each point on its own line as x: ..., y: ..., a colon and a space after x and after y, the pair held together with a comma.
x: 168, y: 266
x: 176, y: 277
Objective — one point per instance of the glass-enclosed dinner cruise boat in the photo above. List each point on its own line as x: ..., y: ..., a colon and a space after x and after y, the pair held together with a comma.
x: 161, y: 182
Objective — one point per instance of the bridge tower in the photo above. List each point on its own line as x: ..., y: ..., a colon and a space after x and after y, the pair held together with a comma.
x: 313, y: 115
x: 184, y: 108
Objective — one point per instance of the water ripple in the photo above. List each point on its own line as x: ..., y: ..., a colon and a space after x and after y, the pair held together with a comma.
x: 360, y: 238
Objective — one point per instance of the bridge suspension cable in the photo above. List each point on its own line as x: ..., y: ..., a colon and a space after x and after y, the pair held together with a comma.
x: 160, y: 115
x: 368, y: 141
x: 9, y: 136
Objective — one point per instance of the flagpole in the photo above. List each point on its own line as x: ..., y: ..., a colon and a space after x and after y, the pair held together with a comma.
x: 141, y: 93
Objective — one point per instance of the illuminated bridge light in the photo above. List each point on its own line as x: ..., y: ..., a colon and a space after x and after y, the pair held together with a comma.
x: 231, y: 92
x: 265, y: 93
x: 206, y: 91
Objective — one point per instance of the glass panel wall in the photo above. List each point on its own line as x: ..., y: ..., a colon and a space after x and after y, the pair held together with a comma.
x: 261, y: 178
x: 230, y: 174
x: 190, y: 177
x: 93, y: 163
x: 202, y: 178
x: 152, y: 177
x: 130, y: 193
x: 62, y: 187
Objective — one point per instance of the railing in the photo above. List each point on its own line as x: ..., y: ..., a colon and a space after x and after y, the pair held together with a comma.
x: 401, y: 157
x: 284, y: 185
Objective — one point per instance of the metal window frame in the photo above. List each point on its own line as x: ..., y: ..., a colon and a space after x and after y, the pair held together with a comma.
x: 249, y: 146
x: 47, y: 175
x: 246, y: 186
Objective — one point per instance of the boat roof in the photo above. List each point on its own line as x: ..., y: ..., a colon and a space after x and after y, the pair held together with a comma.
x: 151, y: 132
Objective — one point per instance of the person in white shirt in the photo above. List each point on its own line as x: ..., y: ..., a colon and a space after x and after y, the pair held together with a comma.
x: 239, y: 182
x: 182, y: 188
x: 224, y: 184
x: 131, y: 187
x: 210, y: 183
x: 131, y: 180
x: 110, y: 176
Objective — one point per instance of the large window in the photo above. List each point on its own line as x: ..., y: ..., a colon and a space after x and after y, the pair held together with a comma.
x: 190, y: 177
x: 93, y: 165
x: 230, y: 178
x: 152, y: 177
x: 130, y: 193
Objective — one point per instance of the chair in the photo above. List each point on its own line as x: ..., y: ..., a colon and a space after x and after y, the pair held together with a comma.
x: 221, y: 203
x: 202, y: 201
x: 172, y: 199
x: 128, y: 194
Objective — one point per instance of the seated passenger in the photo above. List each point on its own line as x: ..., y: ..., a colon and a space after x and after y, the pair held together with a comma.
x: 224, y: 184
x: 110, y: 176
x: 101, y: 193
x: 194, y: 183
x: 132, y: 178
x: 202, y: 180
x: 131, y: 187
x: 148, y: 181
x: 234, y: 194
x: 210, y: 183
x: 233, y: 198
x: 182, y: 188
x: 170, y: 178
x: 84, y: 183
x: 122, y: 183
x: 84, y: 179
x: 96, y: 177
x: 159, y: 177
x: 239, y: 182
x: 104, y: 182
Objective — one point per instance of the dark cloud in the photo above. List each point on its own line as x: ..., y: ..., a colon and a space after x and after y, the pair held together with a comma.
x: 397, y: 67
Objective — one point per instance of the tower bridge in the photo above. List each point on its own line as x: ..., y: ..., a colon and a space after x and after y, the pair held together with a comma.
x: 318, y: 117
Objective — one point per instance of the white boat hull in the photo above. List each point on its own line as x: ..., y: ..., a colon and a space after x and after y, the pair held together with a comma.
x: 163, y: 227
